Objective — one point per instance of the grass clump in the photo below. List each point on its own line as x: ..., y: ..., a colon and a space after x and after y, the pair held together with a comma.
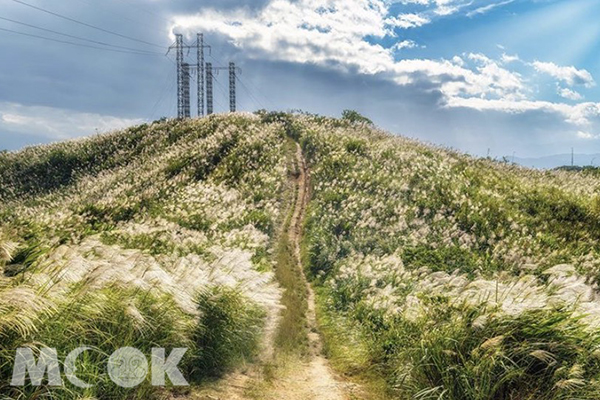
x: 542, y: 354
x: 105, y: 321
x: 228, y: 332
x: 459, y: 278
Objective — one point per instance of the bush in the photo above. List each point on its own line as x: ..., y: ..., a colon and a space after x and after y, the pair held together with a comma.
x: 355, y: 117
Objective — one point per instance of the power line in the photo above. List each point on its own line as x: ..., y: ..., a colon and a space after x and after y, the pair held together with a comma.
x: 222, y: 88
x: 78, y: 37
x: 168, y: 86
x: 260, y: 92
x: 85, y: 24
x: 109, y: 11
x: 75, y: 44
x: 257, y: 101
x: 146, y: 10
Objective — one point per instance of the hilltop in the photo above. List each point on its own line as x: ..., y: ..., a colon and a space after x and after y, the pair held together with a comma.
x: 557, y: 160
x: 435, y: 274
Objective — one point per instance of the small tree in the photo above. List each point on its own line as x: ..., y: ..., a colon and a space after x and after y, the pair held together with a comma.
x: 355, y: 116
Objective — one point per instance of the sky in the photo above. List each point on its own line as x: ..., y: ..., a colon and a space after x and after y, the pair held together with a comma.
x: 497, y: 77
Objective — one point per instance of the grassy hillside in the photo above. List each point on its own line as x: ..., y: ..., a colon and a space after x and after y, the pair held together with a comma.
x: 438, y: 276
x: 157, y: 236
x: 453, y: 277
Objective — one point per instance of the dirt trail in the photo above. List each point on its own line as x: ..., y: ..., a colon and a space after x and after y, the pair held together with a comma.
x: 309, y: 379
x: 312, y: 379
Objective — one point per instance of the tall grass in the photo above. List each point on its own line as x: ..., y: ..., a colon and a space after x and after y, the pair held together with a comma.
x: 542, y: 354
x: 97, y: 234
x: 104, y: 320
x: 406, y: 242
x: 228, y: 333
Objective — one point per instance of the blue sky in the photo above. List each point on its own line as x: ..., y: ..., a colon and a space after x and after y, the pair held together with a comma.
x: 514, y: 76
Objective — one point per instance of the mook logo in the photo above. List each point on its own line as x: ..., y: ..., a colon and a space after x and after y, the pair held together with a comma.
x: 127, y: 367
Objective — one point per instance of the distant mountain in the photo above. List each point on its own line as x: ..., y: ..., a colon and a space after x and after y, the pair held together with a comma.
x: 557, y: 160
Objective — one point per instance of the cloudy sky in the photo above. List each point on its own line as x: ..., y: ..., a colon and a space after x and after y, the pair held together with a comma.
x: 511, y: 76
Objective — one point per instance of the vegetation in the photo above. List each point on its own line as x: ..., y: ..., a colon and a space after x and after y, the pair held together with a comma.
x: 438, y: 275
x: 291, y: 336
x: 354, y: 116
x: 229, y: 331
x: 452, y: 277
x: 162, y: 235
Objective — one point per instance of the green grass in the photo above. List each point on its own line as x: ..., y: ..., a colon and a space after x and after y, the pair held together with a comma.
x: 346, y: 346
x: 390, y: 219
x: 228, y: 333
x: 292, y: 332
x: 105, y: 321
x: 539, y: 354
x: 162, y: 195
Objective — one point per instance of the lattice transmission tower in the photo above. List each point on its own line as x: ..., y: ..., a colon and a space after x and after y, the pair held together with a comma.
x: 232, y: 84
x: 209, y: 88
x: 201, y: 72
x: 205, y: 83
x: 232, y: 77
x: 185, y: 72
x: 180, y: 76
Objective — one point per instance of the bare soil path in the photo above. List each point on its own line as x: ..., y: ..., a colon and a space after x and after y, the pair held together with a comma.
x: 313, y: 378
x: 307, y: 379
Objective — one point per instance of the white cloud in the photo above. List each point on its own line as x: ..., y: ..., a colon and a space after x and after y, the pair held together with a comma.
x: 487, y: 8
x: 569, y: 75
x: 295, y: 31
x: 579, y: 114
x: 337, y: 34
x: 507, y: 59
x: 405, y: 44
x: 587, y: 135
x: 422, y: 2
x: 407, y: 21
x: 569, y: 94
x: 56, y: 123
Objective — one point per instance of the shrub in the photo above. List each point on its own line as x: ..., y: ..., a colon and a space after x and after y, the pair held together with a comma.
x: 355, y: 117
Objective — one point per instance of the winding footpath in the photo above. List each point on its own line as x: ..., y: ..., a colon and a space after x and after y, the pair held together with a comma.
x: 312, y: 379
x: 308, y: 379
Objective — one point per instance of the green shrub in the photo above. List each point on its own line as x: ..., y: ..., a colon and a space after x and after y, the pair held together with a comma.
x: 354, y: 116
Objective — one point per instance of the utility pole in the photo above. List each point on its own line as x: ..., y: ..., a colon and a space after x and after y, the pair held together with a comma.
x: 180, y: 76
x: 209, y: 89
x: 232, y: 99
x: 572, y: 157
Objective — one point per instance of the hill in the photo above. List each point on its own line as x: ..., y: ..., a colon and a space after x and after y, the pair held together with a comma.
x: 157, y: 236
x: 557, y: 160
x: 455, y: 277
x: 436, y: 275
